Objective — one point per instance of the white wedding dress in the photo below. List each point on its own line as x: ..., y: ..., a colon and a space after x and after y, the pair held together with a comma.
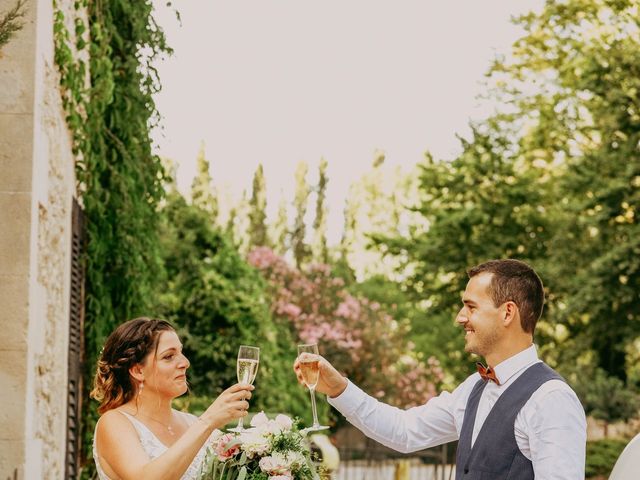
x: 628, y: 464
x: 154, y: 447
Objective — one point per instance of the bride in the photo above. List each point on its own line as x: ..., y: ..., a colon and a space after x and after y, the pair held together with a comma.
x: 139, y: 436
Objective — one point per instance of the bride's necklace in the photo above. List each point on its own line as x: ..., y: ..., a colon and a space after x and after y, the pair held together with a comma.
x: 168, y: 427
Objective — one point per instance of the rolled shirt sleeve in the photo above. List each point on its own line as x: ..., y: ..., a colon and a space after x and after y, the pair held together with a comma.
x: 557, y: 429
x: 428, y: 425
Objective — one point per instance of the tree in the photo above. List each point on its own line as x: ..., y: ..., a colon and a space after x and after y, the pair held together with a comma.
x: 606, y: 398
x: 202, y: 191
x: 552, y: 178
x: 482, y: 205
x: 218, y: 302
x: 170, y: 174
x: 229, y: 228
x: 341, y: 264
x: 379, y: 203
x: 257, y: 213
x: 298, y: 235
x: 320, y: 250
x: 280, y: 232
x: 585, y: 116
x: 239, y: 224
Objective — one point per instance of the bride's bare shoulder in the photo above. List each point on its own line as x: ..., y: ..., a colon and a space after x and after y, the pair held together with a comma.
x: 114, y: 421
x: 118, y: 446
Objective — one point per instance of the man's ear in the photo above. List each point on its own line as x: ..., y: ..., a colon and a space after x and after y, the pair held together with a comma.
x: 136, y: 372
x: 510, y: 313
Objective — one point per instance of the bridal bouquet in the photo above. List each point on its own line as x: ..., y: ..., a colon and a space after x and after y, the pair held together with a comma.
x: 268, y: 450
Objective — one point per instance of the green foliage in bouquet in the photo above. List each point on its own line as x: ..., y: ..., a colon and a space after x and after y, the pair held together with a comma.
x: 268, y: 450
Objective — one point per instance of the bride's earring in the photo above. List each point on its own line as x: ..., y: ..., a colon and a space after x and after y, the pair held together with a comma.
x: 141, y: 387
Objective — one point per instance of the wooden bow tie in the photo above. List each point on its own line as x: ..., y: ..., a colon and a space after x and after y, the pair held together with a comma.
x: 487, y: 373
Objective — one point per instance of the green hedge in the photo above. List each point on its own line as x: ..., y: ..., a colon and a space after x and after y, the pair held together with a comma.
x: 602, y: 456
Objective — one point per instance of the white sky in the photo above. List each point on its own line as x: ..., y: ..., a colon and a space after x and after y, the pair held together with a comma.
x: 278, y: 82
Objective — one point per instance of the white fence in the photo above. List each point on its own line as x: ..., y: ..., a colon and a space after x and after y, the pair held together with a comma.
x: 392, y: 469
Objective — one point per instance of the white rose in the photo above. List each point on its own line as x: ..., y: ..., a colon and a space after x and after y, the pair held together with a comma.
x: 295, y: 460
x: 254, y: 443
x: 259, y: 420
x: 285, y: 422
x: 276, y: 464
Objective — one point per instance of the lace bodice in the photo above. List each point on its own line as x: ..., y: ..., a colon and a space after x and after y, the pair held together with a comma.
x: 154, y: 447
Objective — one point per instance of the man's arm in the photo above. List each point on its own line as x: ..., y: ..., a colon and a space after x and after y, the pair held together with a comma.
x: 557, y: 433
x: 404, y: 430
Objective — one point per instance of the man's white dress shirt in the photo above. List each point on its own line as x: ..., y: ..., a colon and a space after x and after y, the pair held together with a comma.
x: 550, y: 429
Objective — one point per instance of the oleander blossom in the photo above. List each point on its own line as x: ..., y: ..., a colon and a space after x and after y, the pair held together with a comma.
x: 273, y: 447
x: 363, y: 339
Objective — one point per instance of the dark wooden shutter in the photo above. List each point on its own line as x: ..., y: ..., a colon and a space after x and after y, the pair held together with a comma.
x: 76, y: 342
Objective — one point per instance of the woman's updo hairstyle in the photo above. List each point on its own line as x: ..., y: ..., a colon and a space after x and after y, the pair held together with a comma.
x: 128, y: 345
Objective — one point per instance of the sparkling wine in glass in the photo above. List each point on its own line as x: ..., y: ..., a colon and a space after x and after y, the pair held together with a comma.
x: 309, y: 359
x: 246, y: 369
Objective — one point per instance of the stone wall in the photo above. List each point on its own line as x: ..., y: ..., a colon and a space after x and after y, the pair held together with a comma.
x: 37, y: 185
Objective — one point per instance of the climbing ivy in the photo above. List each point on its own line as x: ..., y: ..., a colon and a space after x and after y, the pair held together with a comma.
x: 105, y: 54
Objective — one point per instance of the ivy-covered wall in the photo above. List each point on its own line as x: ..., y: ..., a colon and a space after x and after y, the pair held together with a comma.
x: 105, y: 53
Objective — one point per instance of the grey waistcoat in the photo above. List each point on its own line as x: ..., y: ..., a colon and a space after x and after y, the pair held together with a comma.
x: 495, y: 454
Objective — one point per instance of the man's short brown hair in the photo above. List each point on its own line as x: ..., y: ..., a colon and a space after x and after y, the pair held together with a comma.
x: 514, y: 281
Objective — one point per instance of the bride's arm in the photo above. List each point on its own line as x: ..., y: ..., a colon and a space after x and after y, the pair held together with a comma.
x: 119, y: 444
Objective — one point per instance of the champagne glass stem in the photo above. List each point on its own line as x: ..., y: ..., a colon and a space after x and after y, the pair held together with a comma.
x: 312, y: 391
x: 240, y: 423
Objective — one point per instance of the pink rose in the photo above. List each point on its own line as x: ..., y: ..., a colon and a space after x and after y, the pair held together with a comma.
x: 223, y: 451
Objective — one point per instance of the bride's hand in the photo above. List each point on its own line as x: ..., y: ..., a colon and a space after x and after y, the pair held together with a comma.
x: 230, y: 405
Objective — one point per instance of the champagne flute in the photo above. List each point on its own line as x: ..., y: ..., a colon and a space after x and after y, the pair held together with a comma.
x: 310, y: 368
x: 246, y: 369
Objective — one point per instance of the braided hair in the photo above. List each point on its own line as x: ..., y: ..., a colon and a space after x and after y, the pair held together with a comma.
x: 128, y: 345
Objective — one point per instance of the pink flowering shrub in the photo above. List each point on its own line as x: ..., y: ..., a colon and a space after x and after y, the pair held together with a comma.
x: 355, y: 334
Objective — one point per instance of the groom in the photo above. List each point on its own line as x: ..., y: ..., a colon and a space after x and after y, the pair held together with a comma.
x: 515, y: 419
